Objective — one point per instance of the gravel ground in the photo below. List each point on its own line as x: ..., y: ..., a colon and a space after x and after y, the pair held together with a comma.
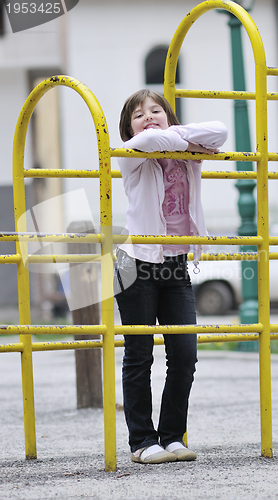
x: 224, y: 430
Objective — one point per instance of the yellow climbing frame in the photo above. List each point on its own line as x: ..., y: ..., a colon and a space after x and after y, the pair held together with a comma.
x: 260, y: 95
x: 261, y: 331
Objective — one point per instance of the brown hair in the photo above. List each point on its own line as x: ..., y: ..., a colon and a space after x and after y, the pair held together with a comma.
x: 137, y: 99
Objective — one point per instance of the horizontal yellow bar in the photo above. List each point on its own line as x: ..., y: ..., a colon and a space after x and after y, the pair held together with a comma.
x: 244, y: 256
x: 87, y: 344
x: 58, y: 346
x: 272, y: 157
x: 157, y: 329
x: 149, y: 239
x: 10, y: 259
x: 194, y: 240
x: 231, y: 156
x: 56, y: 237
x: 213, y: 338
x: 75, y: 258
x: 44, y: 258
x: 72, y: 258
x: 12, y: 347
x: 235, y: 174
x: 272, y: 71
x: 205, y: 339
x: 229, y: 174
x: 206, y: 174
x: 55, y: 172
x: 53, y: 330
x: 222, y: 94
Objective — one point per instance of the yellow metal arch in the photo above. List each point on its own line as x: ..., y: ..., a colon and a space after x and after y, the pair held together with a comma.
x: 107, y: 269
x: 261, y: 72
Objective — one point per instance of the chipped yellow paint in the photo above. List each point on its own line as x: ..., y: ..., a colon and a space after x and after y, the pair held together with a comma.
x: 23, y: 278
x: 260, y: 95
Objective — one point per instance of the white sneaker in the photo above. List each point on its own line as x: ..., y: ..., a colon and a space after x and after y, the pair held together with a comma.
x: 154, y: 454
x: 181, y: 452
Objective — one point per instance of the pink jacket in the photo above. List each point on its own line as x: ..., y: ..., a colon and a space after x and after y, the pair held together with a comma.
x: 144, y: 187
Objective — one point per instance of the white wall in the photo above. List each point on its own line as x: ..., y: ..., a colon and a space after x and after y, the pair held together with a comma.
x: 36, y: 47
x: 13, y: 92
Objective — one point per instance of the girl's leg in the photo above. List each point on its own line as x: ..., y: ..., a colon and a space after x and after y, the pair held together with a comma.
x: 138, y: 306
x: 177, y: 307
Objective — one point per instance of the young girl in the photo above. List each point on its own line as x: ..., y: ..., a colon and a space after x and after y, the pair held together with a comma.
x: 164, y: 199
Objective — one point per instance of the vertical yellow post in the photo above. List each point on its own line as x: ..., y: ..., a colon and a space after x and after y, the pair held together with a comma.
x: 263, y: 258
x: 107, y: 304
x: 23, y: 292
x: 106, y: 264
x: 109, y: 400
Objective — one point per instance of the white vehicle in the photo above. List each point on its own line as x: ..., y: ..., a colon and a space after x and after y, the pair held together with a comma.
x: 218, y: 285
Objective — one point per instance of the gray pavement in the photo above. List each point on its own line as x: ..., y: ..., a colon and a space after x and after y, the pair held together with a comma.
x: 224, y: 430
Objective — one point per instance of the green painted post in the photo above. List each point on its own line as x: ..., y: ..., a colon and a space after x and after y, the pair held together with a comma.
x: 246, y: 201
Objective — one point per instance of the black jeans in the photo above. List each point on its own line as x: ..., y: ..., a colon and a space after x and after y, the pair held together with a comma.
x: 163, y: 292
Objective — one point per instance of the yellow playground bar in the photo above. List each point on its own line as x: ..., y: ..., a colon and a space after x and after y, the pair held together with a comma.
x: 263, y: 331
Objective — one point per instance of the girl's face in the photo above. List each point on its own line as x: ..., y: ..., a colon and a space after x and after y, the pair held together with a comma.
x: 149, y: 114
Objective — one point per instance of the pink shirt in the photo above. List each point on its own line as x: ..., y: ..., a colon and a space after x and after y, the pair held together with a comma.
x: 175, y: 206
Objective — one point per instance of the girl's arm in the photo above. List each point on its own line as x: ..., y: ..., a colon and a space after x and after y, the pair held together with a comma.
x: 199, y: 137
x: 151, y: 140
x: 157, y: 140
x: 210, y: 135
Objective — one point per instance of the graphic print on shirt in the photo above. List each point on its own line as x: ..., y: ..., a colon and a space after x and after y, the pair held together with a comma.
x: 174, y: 180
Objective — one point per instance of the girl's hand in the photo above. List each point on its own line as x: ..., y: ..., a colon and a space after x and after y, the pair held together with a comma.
x: 197, y: 148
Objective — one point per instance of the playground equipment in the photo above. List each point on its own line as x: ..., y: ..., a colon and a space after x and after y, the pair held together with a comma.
x: 262, y: 331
